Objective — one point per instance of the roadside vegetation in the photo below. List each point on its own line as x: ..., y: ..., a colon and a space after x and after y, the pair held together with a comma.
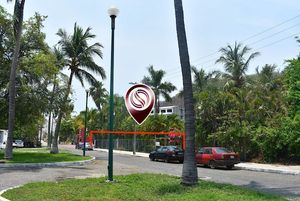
x: 256, y: 115
x: 41, y: 155
x: 134, y: 187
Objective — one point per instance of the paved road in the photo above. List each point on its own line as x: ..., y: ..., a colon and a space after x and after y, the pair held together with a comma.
x: 286, y: 185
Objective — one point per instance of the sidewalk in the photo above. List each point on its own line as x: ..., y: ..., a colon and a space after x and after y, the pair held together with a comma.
x: 280, y: 169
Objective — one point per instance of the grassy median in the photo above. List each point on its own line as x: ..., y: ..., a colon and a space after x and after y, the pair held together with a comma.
x: 140, y: 187
x: 41, y: 155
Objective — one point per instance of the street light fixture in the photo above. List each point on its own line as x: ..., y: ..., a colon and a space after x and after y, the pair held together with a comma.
x: 112, y: 12
x: 85, y: 120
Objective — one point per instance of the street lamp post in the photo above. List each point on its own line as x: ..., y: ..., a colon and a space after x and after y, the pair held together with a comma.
x: 113, y: 12
x: 134, y: 136
x: 85, y: 119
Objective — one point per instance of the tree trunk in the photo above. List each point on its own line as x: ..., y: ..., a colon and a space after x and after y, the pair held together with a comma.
x: 18, y: 21
x: 189, y: 170
x: 50, y: 111
x: 54, y: 148
x: 49, y: 131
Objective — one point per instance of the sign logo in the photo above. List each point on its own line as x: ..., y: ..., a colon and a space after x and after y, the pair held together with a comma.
x: 139, y: 101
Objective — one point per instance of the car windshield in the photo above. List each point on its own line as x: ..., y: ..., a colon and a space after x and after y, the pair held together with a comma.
x: 222, y: 150
x: 174, y: 148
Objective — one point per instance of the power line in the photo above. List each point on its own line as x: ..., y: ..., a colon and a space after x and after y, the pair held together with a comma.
x: 272, y: 35
x: 252, y: 36
x: 175, y: 74
x: 275, y: 42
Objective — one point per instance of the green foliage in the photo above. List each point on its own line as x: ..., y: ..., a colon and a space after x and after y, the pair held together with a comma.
x: 35, y: 71
x: 292, y: 73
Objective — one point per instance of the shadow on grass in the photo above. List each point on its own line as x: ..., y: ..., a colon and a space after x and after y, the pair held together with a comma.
x: 172, y: 188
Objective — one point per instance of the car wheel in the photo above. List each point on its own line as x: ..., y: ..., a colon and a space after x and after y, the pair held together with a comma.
x: 167, y: 160
x: 180, y: 161
x: 212, y: 164
x: 229, y: 167
x: 152, y: 159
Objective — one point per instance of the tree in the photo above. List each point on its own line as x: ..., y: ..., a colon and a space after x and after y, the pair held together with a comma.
x: 79, y: 60
x: 235, y: 62
x: 201, y: 78
x: 189, y: 170
x: 99, y: 94
x: 18, y: 21
x: 159, y: 87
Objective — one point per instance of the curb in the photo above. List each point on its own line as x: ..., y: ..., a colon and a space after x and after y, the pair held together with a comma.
x: 140, y: 154
x: 3, y: 191
x: 42, y: 165
x: 257, y: 169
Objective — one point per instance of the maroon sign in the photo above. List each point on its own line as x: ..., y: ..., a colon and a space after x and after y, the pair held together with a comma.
x: 139, y: 101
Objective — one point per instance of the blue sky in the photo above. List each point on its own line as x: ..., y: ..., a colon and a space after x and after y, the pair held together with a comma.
x: 146, y: 33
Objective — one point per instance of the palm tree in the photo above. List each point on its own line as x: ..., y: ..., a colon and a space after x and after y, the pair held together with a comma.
x: 18, y: 21
x: 79, y: 60
x: 201, y: 78
x: 59, y: 62
x: 159, y: 87
x: 235, y: 62
x: 189, y: 170
x: 99, y: 94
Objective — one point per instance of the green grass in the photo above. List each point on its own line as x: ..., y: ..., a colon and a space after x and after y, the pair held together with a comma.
x: 41, y: 155
x: 142, y: 187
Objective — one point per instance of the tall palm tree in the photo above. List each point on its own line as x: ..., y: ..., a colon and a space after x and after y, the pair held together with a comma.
x: 189, y: 170
x: 99, y: 94
x: 201, y: 78
x: 79, y: 60
x: 159, y: 87
x: 100, y: 97
x: 59, y: 62
x: 235, y: 62
x: 18, y: 21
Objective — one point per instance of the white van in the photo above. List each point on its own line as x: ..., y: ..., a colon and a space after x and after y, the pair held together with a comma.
x: 3, y: 138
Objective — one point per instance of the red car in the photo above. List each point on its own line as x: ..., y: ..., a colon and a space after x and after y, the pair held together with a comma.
x: 217, y: 156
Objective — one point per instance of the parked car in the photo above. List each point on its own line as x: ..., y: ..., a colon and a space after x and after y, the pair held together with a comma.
x: 167, y: 153
x: 217, y: 156
x: 18, y: 143
x: 3, y: 138
x: 87, y: 146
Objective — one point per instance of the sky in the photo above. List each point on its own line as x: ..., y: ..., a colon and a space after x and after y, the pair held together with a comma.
x: 146, y: 34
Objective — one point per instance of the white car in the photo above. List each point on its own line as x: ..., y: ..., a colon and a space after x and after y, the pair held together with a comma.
x: 87, y: 146
x: 18, y: 143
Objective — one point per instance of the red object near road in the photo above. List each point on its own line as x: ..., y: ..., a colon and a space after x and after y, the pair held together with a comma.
x: 216, y: 157
x: 79, y: 139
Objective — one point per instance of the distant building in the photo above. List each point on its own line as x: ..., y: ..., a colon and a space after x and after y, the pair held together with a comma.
x: 174, y: 107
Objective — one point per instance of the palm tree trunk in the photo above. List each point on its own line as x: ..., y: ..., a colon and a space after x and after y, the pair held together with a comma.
x: 189, y: 170
x: 18, y: 21
x: 54, y: 148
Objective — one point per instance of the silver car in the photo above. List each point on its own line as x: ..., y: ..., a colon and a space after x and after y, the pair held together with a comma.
x: 18, y: 143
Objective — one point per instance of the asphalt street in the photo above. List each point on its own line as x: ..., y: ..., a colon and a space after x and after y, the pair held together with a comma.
x: 286, y: 185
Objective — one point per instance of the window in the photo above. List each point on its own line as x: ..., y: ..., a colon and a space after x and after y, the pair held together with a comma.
x: 221, y: 150
x: 163, y: 111
x: 164, y: 149
x: 201, y: 151
x: 169, y: 110
x: 208, y: 151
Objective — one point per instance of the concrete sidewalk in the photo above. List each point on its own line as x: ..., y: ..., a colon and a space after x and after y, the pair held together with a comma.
x: 273, y: 168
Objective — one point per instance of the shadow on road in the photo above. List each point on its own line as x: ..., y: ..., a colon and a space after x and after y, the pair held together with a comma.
x: 283, y: 191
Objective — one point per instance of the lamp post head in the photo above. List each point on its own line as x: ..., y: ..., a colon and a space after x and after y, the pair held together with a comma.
x: 113, y: 11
